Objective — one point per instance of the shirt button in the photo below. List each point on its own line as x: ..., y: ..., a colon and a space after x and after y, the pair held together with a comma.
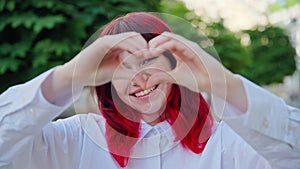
x: 266, y: 123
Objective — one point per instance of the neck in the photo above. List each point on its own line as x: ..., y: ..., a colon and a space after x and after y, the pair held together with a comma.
x: 152, y: 119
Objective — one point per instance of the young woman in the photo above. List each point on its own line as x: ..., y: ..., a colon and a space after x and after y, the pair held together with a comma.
x: 148, y: 82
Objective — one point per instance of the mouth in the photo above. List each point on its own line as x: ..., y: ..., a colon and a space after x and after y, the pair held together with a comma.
x: 141, y: 93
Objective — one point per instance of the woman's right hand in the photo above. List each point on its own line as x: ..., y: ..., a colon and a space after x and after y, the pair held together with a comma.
x: 96, y: 64
x: 93, y: 66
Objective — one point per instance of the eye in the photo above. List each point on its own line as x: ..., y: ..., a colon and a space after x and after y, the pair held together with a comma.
x: 148, y: 61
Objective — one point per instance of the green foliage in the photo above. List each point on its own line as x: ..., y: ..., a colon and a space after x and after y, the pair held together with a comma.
x: 38, y: 35
x: 214, y: 38
x: 175, y: 16
x: 268, y: 58
x: 273, y: 56
x: 233, y: 55
x: 281, y: 4
x: 174, y: 7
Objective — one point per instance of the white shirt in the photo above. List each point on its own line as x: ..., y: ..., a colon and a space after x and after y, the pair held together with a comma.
x: 29, y: 140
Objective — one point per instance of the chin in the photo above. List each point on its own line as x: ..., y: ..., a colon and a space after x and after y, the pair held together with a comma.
x: 151, y: 109
x: 152, y: 112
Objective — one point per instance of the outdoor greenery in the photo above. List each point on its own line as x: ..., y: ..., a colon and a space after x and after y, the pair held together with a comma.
x: 38, y: 35
x: 281, y: 4
x: 273, y: 56
x: 267, y: 58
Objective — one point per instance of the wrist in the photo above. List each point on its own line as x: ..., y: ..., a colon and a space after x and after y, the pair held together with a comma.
x: 58, y: 87
x: 68, y: 77
x: 236, y: 94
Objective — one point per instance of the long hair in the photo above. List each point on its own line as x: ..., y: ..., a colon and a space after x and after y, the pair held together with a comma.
x: 186, y: 111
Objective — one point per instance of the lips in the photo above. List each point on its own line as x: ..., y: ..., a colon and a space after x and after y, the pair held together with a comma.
x: 141, y: 93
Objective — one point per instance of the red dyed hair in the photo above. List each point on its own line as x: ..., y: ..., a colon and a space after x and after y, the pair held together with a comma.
x: 186, y: 111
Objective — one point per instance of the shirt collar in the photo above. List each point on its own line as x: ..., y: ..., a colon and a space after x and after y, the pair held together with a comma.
x: 93, y: 126
x: 153, y: 140
x: 146, y: 130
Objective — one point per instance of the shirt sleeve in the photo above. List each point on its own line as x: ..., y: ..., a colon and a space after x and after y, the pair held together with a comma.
x: 269, y: 125
x: 237, y: 153
x: 25, y: 117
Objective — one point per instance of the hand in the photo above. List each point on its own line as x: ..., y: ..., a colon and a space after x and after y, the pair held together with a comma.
x: 96, y: 64
x: 195, y: 68
x: 93, y: 66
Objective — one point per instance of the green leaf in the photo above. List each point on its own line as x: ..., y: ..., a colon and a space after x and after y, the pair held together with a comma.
x: 10, y: 5
x: 5, y: 48
x: 39, y: 61
x: 282, y: 5
x: 26, y: 19
x: 9, y: 64
x: 44, y: 4
x: 17, y: 50
x: 2, y: 5
x: 47, y: 22
x: 36, y: 35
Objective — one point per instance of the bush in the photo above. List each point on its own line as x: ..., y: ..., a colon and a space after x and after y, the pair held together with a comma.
x: 38, y: 35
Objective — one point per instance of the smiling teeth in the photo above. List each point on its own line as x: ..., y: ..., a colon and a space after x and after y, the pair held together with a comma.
x: 144, y: 92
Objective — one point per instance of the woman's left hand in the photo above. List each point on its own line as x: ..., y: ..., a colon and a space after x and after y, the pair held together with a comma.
x: 195, y: 69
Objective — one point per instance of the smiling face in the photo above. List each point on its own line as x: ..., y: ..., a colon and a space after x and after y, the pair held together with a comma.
x: 149, y: 101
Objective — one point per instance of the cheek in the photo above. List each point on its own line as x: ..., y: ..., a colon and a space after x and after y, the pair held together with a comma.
x: 121, y: 90
x: 120, y: 87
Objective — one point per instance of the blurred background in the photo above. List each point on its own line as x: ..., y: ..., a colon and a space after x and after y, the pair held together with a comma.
x: 259, y: 39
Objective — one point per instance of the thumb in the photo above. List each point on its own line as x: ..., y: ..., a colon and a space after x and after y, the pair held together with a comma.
x: 160, y: 77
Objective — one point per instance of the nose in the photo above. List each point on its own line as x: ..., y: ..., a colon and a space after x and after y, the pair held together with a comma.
x: 140, y: 80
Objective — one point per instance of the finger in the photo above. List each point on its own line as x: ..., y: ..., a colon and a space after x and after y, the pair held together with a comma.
x: 134, y: 43
x: 173, y: 36
x: 165, y: 36
x: 114, y: 53
x: 125, y: 41
x: 154, y: 52
x: 123, y: 55
x: 128, y: 46
x: 130, y: 61
x: 168, y: 41
x: 157, y: 41
x: 171, y: 47
x: 160, y: 77
x: 182, y: 50
x: 155, y: 45
x: 141, y: 46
